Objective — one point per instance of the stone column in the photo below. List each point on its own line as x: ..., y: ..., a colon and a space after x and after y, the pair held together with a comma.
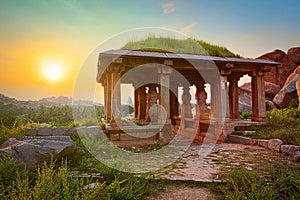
x: 234, y: 98
x: 186, y: 109
x: 142, y: 103
x: 174, y: 100
x: 107, y: 97
x: 164, y: 90
x: 258, y: 98
x: 219, y: 98
x: 298, y: 91
x: 151, y: 101
x: 136, y: 103
x: 201, y: 107
x: 116, y: 108
x: 215, y: 101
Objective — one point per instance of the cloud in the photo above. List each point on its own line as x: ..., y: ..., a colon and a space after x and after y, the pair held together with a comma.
x: 169, y: 7
x: 187, y: 29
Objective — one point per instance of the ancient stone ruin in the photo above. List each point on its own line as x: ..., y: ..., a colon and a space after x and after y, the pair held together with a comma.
x: 156, y: 78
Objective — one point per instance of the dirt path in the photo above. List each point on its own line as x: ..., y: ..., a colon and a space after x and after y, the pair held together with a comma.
x: 213, y: 167
x: 183, y: 193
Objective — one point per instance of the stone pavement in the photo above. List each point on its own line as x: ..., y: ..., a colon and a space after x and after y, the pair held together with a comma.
x: 193, y: 166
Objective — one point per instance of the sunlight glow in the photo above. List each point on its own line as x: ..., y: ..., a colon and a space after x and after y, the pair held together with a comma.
x: 53, y: 71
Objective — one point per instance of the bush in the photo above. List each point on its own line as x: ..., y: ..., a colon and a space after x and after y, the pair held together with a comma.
x: 9, y: 170
x: 11, y: 131
x: 246, y: 115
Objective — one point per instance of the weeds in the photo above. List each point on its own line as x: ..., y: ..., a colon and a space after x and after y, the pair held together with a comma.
x: 10, y: 131
x: 283, y: 124
x: 279, y: 183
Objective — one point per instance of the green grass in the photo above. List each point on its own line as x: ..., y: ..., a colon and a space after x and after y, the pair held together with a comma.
x: 189, y: 46
x: 280, y: 182
x: 283, y: 124
x: 53, y: 181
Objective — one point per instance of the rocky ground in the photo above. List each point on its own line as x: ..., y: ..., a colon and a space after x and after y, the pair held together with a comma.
x: 213, y: 168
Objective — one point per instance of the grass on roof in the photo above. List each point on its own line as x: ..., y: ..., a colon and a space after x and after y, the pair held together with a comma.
x: 188, y: 46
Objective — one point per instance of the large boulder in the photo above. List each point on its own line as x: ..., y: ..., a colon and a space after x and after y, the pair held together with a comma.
x: 279, y: 74
x: 288, y: 92
x: 245, y: 100
x: 271, y: 89
x: 294, y: 54
x: 245, y: 96
x: 33, y: 150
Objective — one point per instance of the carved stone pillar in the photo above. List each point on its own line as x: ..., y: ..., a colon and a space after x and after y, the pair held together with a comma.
x: 186, y: 109
x: 164, y: 93
x: 151, y: 100
x: 136, y: 103
x: 201, y: 107
x: 174, y: 100
x: 234, y: 97
x: 142, y: 103
x: 107, y: 97
x: 116, y: 109
x: 258, y: 98
x: 219, y: 98
x: 215, y: 101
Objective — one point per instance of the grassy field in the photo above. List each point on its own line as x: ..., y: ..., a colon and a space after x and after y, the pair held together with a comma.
x: 189, y: 46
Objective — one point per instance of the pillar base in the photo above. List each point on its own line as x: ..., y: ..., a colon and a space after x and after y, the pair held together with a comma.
x: 259, y: 119
x: 166, y: 133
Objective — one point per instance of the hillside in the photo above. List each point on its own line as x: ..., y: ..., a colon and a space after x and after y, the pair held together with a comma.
x: 189, y: 46
x: 49, y: 101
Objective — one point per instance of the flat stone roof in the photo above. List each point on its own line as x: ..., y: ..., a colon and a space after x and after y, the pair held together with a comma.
x: 233, y: 60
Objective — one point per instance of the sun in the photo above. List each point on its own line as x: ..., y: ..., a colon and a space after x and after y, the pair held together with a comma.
x: 53, y: 71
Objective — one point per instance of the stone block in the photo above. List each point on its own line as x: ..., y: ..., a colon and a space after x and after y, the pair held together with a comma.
x: 93, y: 130
x: 45, y: 131
x: 31, y: 132
x: 69, y: 132
x: 289, y: 150
x: 297, y: 156
x: 241, y: 140
x: 58, y: 131
x: 274, y: 144
x: 263, y: 143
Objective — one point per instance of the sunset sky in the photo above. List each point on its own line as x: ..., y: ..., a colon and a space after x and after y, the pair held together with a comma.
x: 36, y: 34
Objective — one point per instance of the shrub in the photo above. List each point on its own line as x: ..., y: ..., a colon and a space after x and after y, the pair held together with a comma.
x: 10, y: 131
x: 246, y: 115
x: 9, y: 170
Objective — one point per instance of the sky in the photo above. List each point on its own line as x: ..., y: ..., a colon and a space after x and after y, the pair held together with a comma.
x: 35, y: 34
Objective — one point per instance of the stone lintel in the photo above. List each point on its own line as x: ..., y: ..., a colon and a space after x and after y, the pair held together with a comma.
x: 164, y: 70
x: 117, y: 60
x: 168, y: 62
x: 225, y: 71
x: 229, y: 65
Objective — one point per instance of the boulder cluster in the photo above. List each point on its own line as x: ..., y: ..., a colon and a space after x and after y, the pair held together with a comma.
x: 281, y: 82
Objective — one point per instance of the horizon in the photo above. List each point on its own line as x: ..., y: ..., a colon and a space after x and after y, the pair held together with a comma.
x: 44, y: 43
